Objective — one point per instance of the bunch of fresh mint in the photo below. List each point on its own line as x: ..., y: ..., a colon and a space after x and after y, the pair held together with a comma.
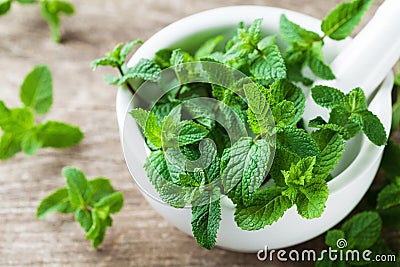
x: 50, y: 9
x: 303, y: 161
x: 91, y: 201
x: 21, y: 133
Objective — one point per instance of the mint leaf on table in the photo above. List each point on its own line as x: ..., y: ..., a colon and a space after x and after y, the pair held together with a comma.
x: 205, y: 223
x: 51, y: 11
x: 37, y: 90
x: 20, y: 133
x: 340, y: 22
x: 389, y: 196
x: 91, y: 201
x: 5, y: 6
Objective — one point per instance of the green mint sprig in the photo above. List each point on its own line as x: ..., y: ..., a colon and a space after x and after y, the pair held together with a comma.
x: 305, y: 47
x: 50, y: 9
x: 91, y: 201
x: 21, y: 133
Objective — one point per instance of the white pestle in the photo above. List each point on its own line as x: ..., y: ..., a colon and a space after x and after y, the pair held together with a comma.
x: 367, y: 59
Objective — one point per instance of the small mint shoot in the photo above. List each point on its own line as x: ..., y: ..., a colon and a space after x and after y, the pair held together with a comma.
x: 91, y: 201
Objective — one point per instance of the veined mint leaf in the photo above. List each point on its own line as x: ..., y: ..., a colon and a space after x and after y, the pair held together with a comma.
x: 105, y: 61
x: 268, y: 205
x: 258, y: 105
x: 78, y: 188
x: 331, y: 146
x: 56, y: 201
x: 18, y: 121
x: 234, y: 170
x: 208, y: 47
x: 191, y: 132
x: 205, y: 223
x: 373, y: 128
x: 311, y: 199
x: 328, y: 97
x: 297, y: 141
x: 294, y: 73
x: 84, y: 217
x: 389, y: 197
x: 37, y: 89
x: 284, y: 113
x: 255, y: 169
x: 58, y: 134
x: 363, y: 229
x: 317, y: 64
x: 340, y: 22
x: 285, y: 90
x: 356, y: 100
x: 293, y: 33
x: 145, y: 69
x: 5, y: 6
x: 270, y: 66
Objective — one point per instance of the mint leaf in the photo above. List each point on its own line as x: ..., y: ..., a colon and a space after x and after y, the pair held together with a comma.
x: 30, y: 142
x: 58, y: 134
x: 311, y: 199
x: 9, y: 145
x: 126, y: 49
x: 328, y: 97
x: 332, y: 236
x: 78, y: 188
x: 208, y: 47
x: 112, y: 62
x: 340, y: 22
x: 51, y: 11
x: 56, y: 201
x: 205, y: 223
x: 84, y: 217
x: 268, y: 205
x: 297, y: 141
x: 299, y: 172
x: 293, y: 33
x: 391, y: 157
x: 255, y: 168
x: 373, y: 128
x: 270, y: 66
x: 112, y: 203
x: 285, y: 90
x: 149, y: 123
x: 317, y: 64
x: 356, y: 100
x: 331, y: 146
x: 282, y: 162
x: 284, y: 113
x: 191, y: 132
x: 389, y: 197
x: 363, y: 229
x: 5, y: 6
x: 258, y: 105
x: 162, y: 58
x: 145, y: 69
x: 177, y: 57
x: 19, y: 121
x: 100, y: 188
x: 37, y: 89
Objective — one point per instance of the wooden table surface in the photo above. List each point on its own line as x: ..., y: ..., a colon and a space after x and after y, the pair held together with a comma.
x: 139, y: 237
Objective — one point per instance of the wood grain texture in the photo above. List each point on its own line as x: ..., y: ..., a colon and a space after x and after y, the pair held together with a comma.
x: 140, y: 237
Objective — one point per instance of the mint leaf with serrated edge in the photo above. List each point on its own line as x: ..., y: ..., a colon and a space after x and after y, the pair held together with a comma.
x: 340, y: 22
x: 91, y: 201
